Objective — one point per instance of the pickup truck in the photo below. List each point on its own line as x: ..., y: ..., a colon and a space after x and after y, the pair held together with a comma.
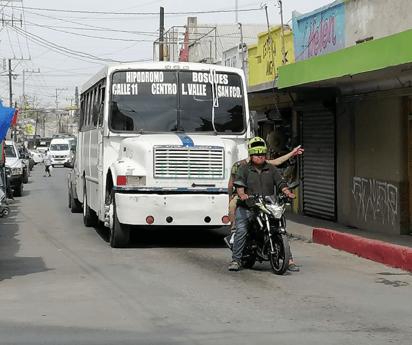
x: 14, y: 167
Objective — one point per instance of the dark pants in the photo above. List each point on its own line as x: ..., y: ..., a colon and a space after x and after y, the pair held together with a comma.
x: 243, y: 217
x: 47, y: 169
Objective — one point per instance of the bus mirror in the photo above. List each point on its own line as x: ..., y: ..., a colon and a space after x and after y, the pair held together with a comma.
x: 254, y: 126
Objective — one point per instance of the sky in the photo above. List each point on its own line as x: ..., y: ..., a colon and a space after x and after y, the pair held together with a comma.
x: 56, y: 46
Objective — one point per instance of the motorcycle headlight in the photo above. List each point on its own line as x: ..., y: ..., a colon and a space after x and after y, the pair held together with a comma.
x: 276, y: 210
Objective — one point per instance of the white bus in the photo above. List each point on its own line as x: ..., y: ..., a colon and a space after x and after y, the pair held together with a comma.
x: 156, y: 144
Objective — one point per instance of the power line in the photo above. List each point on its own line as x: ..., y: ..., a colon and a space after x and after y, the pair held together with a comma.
x: 141, y: 13
x: 62, y: 50
x: 90, y: 26
x: 97, y: 37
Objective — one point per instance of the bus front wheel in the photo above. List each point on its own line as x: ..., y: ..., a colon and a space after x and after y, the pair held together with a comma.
x: 119, y: 233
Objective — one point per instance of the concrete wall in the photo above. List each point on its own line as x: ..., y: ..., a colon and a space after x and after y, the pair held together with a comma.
x: 319, y: 32
x: 370, y: 164
x: 376, y: 18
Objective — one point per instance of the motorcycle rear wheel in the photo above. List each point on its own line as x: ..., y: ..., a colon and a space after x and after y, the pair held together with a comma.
x: 279, y: 260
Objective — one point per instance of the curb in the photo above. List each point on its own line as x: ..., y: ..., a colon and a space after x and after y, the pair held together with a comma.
x: 388, y: 254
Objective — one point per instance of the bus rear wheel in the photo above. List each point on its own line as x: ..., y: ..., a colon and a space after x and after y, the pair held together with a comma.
x: 119, y: 233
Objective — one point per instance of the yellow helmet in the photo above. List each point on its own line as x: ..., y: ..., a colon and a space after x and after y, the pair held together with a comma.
x: 257, y: 146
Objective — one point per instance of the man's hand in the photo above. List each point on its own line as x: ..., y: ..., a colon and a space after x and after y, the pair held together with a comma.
x: 288, y: 193
x: 243, y: 197
x: 241, y: 194
x: 297, y: 151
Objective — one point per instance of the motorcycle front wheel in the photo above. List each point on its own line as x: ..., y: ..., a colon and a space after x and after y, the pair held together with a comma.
x: 279, y: 259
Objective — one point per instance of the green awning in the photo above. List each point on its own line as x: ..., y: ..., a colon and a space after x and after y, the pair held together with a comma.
x: 374, y: 55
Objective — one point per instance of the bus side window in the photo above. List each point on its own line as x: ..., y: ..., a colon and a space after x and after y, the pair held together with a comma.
x: 95, y: 115
x: 101, y: 107
x: 87, y: 114
x: 81, y: 117
x: 95, y: 105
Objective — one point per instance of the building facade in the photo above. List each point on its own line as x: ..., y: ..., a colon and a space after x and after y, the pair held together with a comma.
x: 352, y: 101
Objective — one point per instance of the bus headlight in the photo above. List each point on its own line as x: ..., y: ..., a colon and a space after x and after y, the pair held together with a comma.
x: 136, y: 181
x: 131, y: 180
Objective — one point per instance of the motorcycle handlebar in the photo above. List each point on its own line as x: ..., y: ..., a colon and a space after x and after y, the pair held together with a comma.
x: 255, y: 197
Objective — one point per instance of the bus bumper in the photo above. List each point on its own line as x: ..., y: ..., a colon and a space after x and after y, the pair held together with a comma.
x: 175, y: 209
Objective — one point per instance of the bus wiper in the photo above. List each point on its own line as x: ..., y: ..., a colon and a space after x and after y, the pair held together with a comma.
x: 174, y: 129
x: 215, y: 103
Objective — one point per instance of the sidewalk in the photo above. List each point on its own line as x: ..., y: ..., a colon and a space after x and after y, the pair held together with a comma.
x: 391, y: 250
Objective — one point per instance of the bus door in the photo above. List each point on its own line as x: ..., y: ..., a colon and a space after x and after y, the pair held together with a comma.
x: 96, y: 150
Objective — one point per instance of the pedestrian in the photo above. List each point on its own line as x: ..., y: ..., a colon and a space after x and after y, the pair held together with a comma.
x: 47, y: 164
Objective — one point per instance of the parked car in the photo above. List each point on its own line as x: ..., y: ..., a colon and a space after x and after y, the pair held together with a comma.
x: 72, y: 179
x: 26, y: 163
x: 14, y: 167
x: 36, y: 155
x: 26, y: 157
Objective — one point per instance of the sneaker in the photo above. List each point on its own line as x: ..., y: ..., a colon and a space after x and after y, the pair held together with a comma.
x: 293, y: 268
x: 234, y: 266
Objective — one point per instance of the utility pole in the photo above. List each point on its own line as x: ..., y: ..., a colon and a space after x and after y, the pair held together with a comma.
x: 283, y: 33
x: 241, y: 44
x: 162, y: 28
x: 76, y: 101
x: 11, y: 95
x: 71, y: 106
x: 57, y: 101
x: 71, y: 101
x: 270, y: 39
x: 236, y: 10
x: 24, y: 81
x: 11, y: 21
x: 10, y: 86
x: 14, y: 77
x: 57, y: 105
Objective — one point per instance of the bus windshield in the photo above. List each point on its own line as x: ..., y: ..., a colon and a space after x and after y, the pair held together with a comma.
x: 171, y: 100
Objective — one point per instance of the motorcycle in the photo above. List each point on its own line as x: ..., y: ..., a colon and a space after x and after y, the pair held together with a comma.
x: 266, y: 239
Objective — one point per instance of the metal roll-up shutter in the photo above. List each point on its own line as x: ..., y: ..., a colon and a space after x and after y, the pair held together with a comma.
x: 318, y: 173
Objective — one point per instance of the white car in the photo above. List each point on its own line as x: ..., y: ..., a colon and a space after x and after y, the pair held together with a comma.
x: 37, y: 156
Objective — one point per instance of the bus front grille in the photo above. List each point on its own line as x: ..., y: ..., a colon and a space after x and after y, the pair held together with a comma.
x: 189, y: 163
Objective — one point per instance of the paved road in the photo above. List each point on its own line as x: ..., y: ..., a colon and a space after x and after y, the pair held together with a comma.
x: 61, y: 283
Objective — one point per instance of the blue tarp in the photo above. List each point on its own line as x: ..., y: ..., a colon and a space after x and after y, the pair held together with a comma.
x: 6, y: 117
